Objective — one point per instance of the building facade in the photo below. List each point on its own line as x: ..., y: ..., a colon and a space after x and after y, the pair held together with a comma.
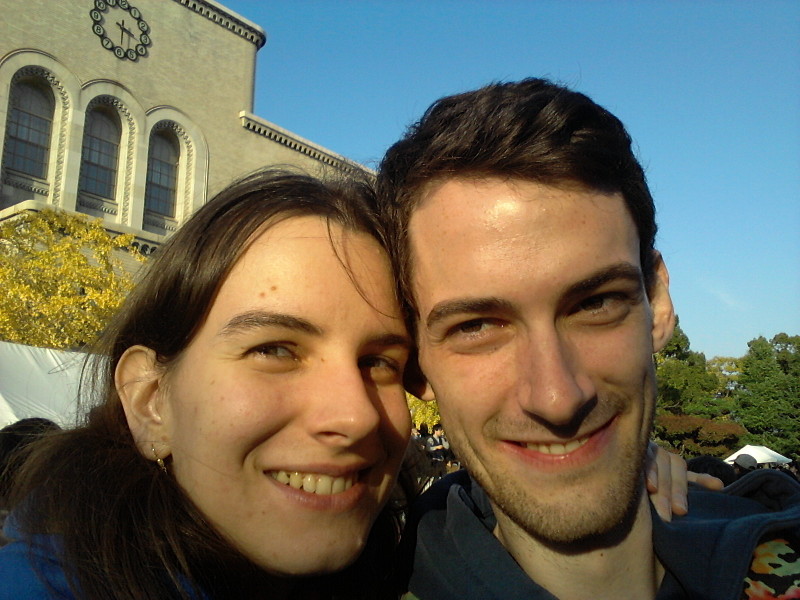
x: 133, y: 112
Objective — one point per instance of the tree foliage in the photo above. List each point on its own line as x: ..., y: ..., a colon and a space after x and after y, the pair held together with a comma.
x: 61, y: 278
x: 693, y: 435
x: 693, y: 415
x: 684, y: 381
x: 768, y: 393
x: 423, y: 411
x: 715, y: 407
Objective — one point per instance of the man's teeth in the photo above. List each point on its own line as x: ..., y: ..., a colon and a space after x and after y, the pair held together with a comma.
x: 558, y: 448
x: 314, y: 483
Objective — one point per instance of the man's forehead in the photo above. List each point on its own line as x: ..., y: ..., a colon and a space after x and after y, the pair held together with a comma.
x: 481, y: 226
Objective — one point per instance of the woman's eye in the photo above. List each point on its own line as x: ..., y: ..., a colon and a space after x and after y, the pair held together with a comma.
x: 274, y: 351
x: 381, y: 369
x: 377, y: 362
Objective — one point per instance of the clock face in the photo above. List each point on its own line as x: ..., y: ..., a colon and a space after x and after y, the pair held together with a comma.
x: 121, y: 29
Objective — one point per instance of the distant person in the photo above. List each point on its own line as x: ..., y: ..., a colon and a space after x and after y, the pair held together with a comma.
x: 743, y: 464
x: 713, y: 465
x: 15, y: 441
x: 438, y: 449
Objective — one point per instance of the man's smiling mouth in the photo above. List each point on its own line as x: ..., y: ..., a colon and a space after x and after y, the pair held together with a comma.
x: 556, y: 448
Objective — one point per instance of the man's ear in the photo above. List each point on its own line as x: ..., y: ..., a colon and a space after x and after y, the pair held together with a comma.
x: 661, y: 304
x: 138, y: 379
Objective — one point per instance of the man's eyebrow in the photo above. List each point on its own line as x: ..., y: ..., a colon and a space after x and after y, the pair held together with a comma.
x: 443, y: 310
x: 448, y: 308
x: 255, y: 319
x: 618, y: 271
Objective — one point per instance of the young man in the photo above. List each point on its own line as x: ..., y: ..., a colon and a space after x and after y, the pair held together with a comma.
x: 524, y: 241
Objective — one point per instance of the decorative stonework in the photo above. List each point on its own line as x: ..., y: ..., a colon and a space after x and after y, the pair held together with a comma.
x: 160, y: 222
x: 223, y: 19
x: 26, y: 183
x: 96, y: 203
x: 279, y: 136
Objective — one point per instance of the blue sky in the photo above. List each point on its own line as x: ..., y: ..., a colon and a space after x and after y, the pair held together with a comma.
x: 710, y: 92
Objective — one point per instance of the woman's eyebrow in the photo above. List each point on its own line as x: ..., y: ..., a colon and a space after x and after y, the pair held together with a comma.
x: 391, y: 339
x: 255, y: 319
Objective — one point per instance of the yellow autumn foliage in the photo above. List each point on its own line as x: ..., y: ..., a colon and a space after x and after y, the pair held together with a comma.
x: 423, y: 411
x: 61, y: 278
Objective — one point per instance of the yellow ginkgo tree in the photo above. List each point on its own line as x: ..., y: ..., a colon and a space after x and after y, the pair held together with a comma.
x: 61, y: 278
x: 423, y: 411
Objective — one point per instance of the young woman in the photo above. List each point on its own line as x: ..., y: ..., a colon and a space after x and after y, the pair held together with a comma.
x: 252, y: 416
x: 250, y: 419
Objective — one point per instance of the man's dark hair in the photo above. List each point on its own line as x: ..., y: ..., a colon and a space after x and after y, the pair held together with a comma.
x: 438, y: 427
x: 532, y: 130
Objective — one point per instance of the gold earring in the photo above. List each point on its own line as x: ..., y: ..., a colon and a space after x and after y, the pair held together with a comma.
x: 159, y: 460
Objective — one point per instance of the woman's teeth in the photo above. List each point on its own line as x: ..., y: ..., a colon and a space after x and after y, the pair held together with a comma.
x: 314, y: 483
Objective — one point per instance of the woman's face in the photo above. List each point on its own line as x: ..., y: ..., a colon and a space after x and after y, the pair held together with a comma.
x: 286, y: 416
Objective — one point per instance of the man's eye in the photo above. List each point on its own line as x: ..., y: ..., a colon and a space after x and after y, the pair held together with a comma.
x: 605, y: 307
x: 474, y: 327
x: 595, y: 303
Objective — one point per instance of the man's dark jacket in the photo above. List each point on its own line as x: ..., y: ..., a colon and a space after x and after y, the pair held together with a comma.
x: 706, y: 554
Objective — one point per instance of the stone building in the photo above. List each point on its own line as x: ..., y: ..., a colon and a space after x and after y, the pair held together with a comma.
x: 133, y: 112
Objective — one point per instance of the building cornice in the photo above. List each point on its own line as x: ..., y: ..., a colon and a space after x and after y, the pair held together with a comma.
x: 286, y: 138
x: 228, y: 19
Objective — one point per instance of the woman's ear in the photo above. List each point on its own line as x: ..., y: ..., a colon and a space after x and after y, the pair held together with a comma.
x: 661, y: 304
x: 138, y: 379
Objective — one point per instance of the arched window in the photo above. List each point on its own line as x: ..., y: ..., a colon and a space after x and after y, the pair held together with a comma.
x: 162, y: 173
x: 30, y: 122
x: 100, y: 152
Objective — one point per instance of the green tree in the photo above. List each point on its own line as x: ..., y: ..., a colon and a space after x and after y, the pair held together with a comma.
x: 694, y: 412
x: 61, y: 278
x: 727, y: 370
x: 685, y: 384
x: 768, y: 393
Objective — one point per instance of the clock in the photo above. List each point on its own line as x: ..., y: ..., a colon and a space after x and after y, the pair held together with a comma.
x: 121, y: 29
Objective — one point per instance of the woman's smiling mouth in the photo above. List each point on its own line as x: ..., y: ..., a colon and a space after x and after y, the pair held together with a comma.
x: 315, y: 483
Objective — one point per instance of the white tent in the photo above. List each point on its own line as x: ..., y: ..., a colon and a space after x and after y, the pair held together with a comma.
x: 762, y: 454
x: 38, y: 382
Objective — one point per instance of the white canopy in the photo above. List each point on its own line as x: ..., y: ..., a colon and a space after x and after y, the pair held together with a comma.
x: 762, y: 454
x: 38, y: 382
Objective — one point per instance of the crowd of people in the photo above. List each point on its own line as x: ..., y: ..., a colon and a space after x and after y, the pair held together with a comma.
x: 249, y: 436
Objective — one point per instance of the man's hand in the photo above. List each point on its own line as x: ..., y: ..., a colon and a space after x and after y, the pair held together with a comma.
x: 667, y: 481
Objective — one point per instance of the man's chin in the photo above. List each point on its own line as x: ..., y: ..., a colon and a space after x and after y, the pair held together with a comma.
x: 573, y: 534
x: 588, y: 517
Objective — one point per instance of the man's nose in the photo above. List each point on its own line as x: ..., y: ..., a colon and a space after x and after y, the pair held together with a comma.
x: 552, y: 382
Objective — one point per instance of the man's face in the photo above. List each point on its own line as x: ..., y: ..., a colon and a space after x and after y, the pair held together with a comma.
x: 536, y: 336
